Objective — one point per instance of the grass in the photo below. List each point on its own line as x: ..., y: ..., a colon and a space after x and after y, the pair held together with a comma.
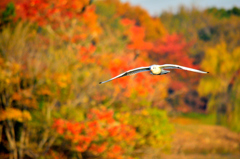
x: 194, y: 118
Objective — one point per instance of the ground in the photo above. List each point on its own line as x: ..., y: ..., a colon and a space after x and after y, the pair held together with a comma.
x: 193, y: 140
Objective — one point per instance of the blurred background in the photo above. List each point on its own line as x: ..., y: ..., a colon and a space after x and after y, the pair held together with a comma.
x: 54, y: 53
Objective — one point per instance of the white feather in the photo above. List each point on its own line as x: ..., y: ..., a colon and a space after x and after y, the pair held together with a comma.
x: 171, y: 66
x: 128, y: 73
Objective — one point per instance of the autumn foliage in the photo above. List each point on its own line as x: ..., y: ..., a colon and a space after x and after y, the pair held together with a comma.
x: 54, y: 53
x: 100, y: 134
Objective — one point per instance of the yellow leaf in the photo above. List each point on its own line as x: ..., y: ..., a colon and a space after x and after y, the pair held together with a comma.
x: 30, y: 103
x: 63, y: 80
x: 15, y: 68
x: 45, y: 91
x: 15, y: 114
x: 16, y: 96
x: 145, y: 112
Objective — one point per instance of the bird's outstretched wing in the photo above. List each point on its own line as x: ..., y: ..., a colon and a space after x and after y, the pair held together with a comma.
x: 171, y: 66
x: 130, y: 72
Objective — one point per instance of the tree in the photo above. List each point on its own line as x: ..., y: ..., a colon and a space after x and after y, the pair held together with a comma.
x: 222, y: 85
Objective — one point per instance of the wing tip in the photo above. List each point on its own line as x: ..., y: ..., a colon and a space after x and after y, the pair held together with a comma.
x: 207, y: 72
x: 100, y: 82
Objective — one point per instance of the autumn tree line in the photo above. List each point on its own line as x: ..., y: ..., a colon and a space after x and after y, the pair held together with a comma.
x: 54, y: 53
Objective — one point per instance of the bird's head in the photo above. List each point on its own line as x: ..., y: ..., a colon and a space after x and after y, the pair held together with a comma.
x: 155, y: 69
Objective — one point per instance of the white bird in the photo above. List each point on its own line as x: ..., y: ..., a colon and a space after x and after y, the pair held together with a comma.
x: 154, y: 70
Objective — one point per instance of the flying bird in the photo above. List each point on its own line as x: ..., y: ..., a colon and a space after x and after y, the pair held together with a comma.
x: 154, y: 70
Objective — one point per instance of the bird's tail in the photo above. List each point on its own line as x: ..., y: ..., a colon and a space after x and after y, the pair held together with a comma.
x: 164, y: 72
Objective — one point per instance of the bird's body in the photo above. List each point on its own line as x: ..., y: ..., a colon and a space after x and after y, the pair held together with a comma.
x: 154, y: 70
